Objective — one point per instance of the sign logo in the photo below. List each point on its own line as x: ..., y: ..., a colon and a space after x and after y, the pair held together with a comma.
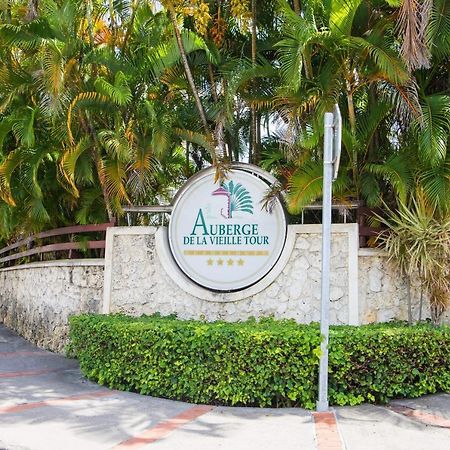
x: 238, y: 199
x: 222, y: 237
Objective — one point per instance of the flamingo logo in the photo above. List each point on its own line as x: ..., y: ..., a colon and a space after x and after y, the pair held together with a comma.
x: 238, y: 199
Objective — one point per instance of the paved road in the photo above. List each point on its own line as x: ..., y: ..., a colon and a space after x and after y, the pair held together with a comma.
x: 46, y: 404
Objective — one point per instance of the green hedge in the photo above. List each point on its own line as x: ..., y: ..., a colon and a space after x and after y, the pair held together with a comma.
x: 267, y: 363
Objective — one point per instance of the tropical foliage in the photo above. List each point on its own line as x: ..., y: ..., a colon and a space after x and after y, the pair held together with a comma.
x: 418, y: 241
x: 107, y: 103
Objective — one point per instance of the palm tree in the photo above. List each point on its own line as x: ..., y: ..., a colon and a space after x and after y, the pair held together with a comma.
x: 90, y: 100
x: 353, y: 62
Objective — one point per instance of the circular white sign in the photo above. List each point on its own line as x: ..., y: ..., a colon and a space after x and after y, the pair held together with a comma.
x: 221, y: 236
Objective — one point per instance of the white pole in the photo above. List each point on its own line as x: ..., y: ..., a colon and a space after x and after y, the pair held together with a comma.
x: 322, y: 403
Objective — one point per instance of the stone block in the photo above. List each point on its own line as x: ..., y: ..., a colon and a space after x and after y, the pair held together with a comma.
x: 302, y: 243
x: 301, y: 264
x: 336, y: 293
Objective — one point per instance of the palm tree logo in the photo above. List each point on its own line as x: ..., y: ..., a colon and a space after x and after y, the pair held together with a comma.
x: 238, y: 199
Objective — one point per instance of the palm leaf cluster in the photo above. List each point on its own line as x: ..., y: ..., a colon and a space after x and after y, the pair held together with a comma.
x: 108, y: 103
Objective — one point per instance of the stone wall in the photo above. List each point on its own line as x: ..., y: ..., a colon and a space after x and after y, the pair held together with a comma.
x: 139, y: 276
x: 37, y: 299
x: 383, y: 292
x: 142, y: 278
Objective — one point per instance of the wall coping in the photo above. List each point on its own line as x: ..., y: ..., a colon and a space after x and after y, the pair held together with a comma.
x: 372, y: 252
x: 58, y: 263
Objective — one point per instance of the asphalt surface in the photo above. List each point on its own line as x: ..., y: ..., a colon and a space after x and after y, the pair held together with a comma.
x: 46, y: 404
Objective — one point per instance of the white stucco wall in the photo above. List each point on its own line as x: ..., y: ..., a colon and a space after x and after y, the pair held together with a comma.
x: 37, y: 299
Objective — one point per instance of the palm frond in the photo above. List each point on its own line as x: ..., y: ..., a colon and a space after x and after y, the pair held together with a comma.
x: 342, y: 14
x: 23, y: 127
x: 8, y: 166
x: 305, y: 186
x: 69, y: 162
x: 413, y: 22
x: 82, y: 97
x: 294, y: 49
x: 194, y: 137
x: 386, y: 59
x: 370, y: 189
x: 434, y: 128
x: 436, y: 186
x: 119, y: 92
x: 438, y: 31
x: 115, y: 179
x: 116, y: 144
x: 90, y: 206
x: 397, y: 172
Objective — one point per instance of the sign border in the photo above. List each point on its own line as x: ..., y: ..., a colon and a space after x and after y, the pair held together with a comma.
x: 237, y: 166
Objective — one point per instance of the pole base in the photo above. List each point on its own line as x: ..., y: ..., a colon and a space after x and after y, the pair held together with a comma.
x: 322, y: 406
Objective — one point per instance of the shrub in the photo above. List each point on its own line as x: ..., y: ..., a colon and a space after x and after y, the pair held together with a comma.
x: 266, y: 363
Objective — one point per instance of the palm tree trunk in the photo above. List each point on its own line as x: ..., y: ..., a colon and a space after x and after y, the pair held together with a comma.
x: 134, y: 6
x: 187, y: 70
x: 297, y: 8
x: 112, y: 17
x: 254, y: 156
x: 258, y: 137
x: 213, y: 83
x: 352, y: 120
x: 190, y: 78
x: 186, y: 167
x: 32, y: 10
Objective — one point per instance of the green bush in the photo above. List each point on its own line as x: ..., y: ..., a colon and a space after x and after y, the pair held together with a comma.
x: 267, y: 363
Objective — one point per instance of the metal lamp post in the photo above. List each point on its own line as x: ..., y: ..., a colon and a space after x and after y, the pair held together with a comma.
x: 332, y: 153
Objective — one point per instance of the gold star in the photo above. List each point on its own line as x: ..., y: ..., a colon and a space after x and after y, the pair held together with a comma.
x: 210, y: 262
x: 220, y: 262
x: 240, y: 262
x: 230, y: 262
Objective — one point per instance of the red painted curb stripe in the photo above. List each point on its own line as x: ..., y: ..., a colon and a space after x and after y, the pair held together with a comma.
x: 26, y: 353
x: 422, y: 416
x: 26, y: 406
x: 163, y: 428
x: 28, y: 373
x: 327, y: 434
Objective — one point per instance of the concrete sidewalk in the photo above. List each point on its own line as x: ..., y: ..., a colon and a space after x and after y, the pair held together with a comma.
x: 46, y: 404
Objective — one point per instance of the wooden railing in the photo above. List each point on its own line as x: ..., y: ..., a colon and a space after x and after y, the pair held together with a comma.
x: 34, y: 245
x: 55, y: 248
x: 366, y: 232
